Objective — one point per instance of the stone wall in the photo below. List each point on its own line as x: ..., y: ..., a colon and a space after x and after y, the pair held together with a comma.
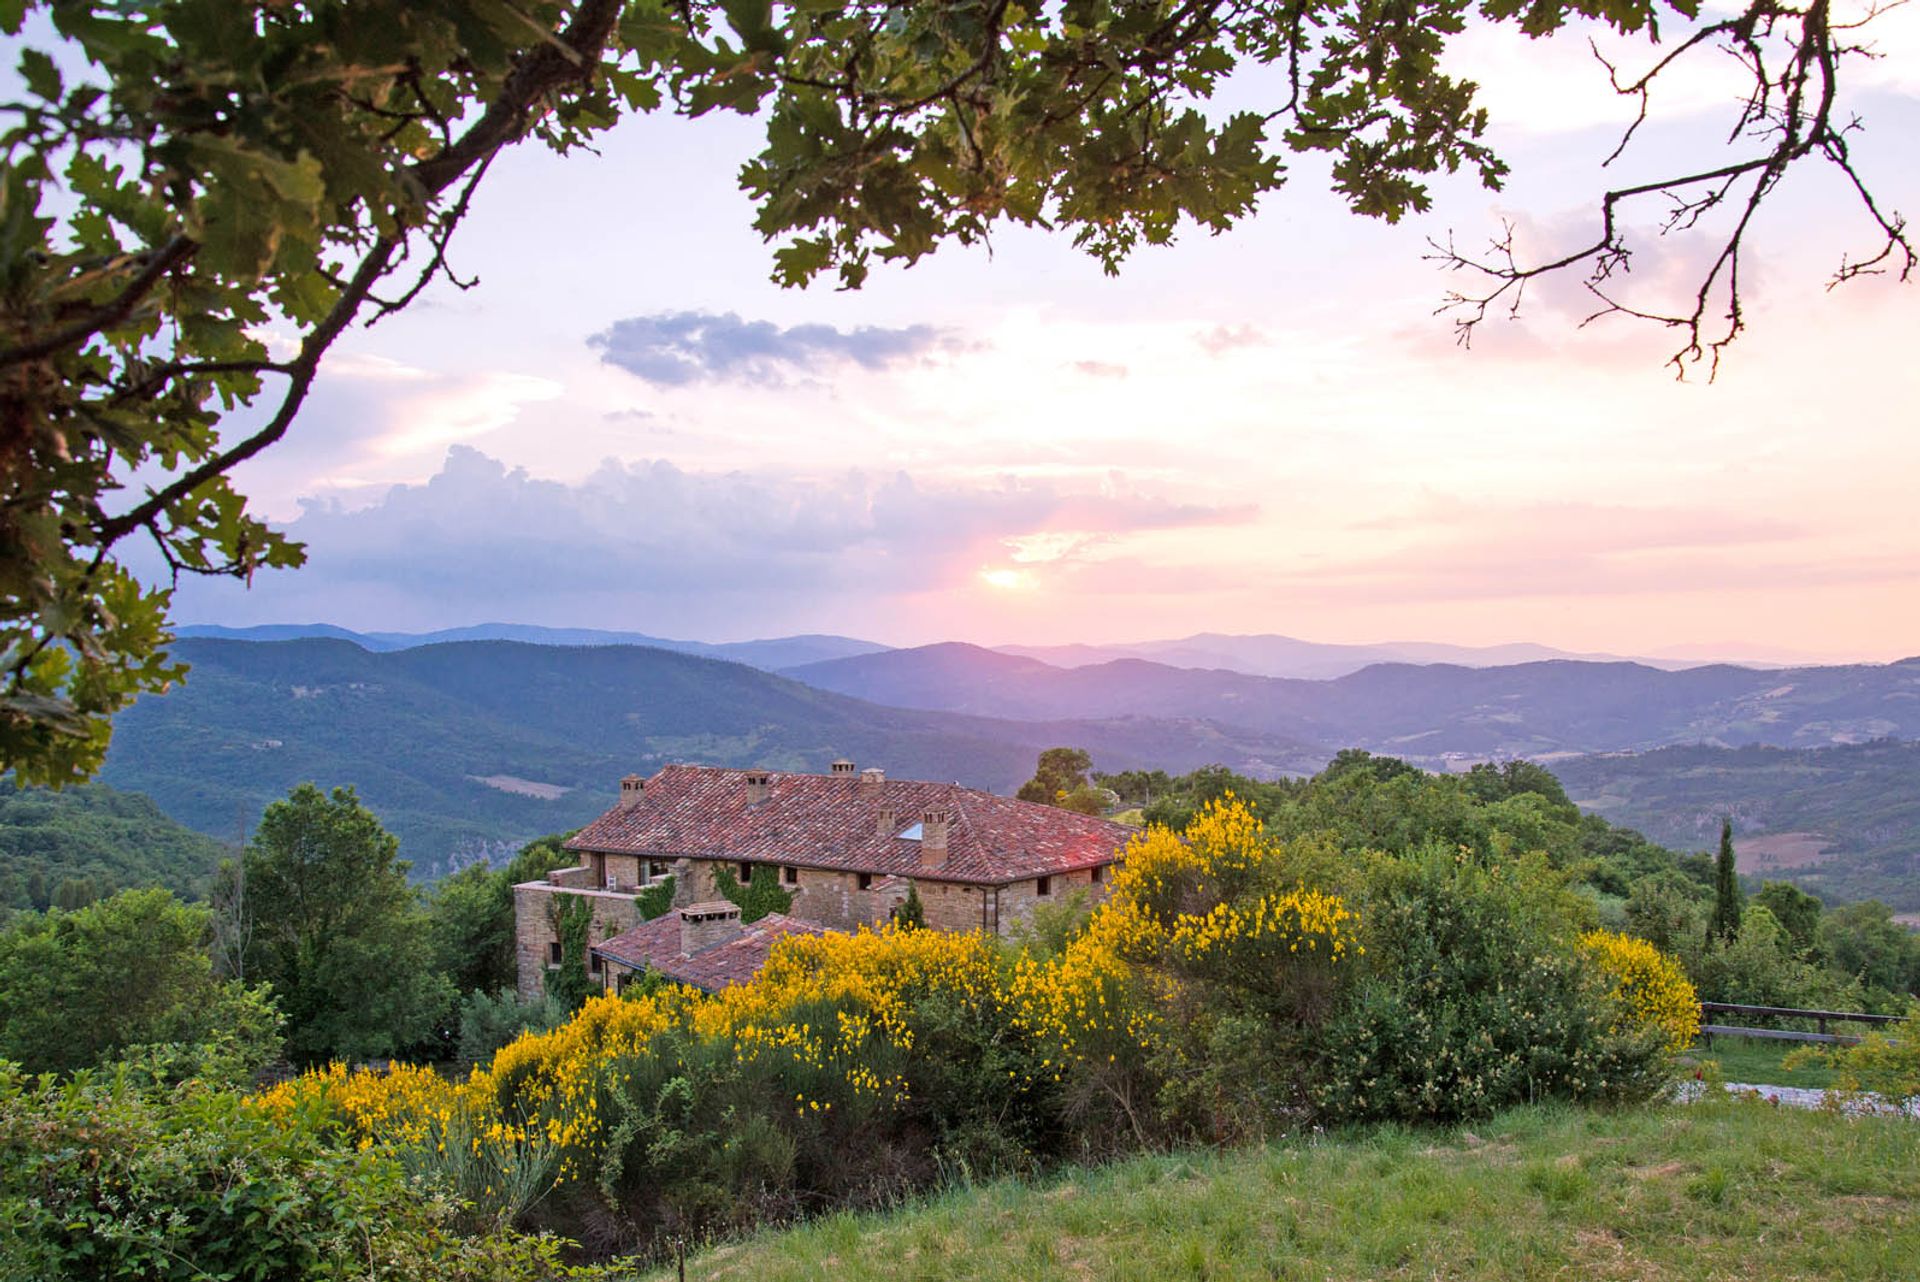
x: 827, y: 897
x: 534, y: 933
x: 951, y: 906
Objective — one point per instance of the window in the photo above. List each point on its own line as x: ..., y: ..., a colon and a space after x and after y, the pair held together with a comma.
x: 593, y: 963
x: 1099, y: 873
x: 553, y: 953
x: 655, y: 868
x: 790, y: 875
x: 1043, y: 886
x: 746, y: 872
x: 865, y: 880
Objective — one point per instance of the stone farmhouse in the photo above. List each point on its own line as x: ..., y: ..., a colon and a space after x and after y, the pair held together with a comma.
x: 846, y: 845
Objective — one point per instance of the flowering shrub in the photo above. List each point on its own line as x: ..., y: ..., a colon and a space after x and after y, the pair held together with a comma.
x: 1223, y: 989
x: 101, y: 1178
x: 1188, y: 1001
x: 1648, y: 988
x: 1880, y: 1071
x: 1477, y: 997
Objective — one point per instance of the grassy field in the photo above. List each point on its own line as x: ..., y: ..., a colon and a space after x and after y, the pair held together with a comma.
x: 1722, y: 1190
x: 1757, y: 1061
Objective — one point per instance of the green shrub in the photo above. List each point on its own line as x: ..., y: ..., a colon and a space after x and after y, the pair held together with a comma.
x: 1475, y: 999
x: 489, y: 1021
x: 101, y: 1180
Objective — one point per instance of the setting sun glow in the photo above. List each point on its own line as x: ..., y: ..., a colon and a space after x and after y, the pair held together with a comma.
x: 1007, y: 580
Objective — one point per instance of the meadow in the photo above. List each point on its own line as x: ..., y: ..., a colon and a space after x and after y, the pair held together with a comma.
x: 1720, y: 1190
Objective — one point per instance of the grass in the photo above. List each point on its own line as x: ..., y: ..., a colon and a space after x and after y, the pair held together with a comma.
x: 1757, y: 1061
x: 1721, y: 1190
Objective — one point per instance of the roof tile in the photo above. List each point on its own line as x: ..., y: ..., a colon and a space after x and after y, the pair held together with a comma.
x: 656, y: 945
x: 832, y: 821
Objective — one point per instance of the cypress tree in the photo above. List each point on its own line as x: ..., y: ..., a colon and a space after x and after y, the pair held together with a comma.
x: 1726, y: 889
x: 912, y: 914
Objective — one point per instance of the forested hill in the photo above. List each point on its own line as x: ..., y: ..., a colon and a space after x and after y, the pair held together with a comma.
x: 1841, y: 821
x: 467, y: 747
x: 70, y: 846
x: 1422, y: 712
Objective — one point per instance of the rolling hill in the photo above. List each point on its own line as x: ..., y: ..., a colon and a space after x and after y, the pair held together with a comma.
x: 467, y: 747
x: 1841, y: 821
x: 1432, y: 713
x: 113, y: 839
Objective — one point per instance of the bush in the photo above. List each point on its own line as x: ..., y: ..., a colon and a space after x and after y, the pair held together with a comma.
x: 1648, y: 988
x: 1476, y: 998
x: 101, y: 1179
x: 489, y: 1021
x: 1881, y: 1070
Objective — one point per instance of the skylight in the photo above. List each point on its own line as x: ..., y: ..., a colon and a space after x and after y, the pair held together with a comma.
x: 911, y: 833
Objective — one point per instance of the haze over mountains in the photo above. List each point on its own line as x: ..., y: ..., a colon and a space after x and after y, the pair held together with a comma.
x: 467, y: 746
x: 1427, y: 713
x: 1261, y: 654
x: 775, y: 652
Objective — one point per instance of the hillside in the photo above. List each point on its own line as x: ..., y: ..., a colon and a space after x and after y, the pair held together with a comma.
x: 1430, y: 713
x: 1679, y: 1192
x: 113, y: 839
x: 469, y: 747
x: 1841, y: 821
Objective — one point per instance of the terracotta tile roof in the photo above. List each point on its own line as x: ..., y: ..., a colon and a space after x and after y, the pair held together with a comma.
x: 832, y: 821
x: 656, y: 944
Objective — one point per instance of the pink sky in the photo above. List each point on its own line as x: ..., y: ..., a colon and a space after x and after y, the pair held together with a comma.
x: 1266, y: 431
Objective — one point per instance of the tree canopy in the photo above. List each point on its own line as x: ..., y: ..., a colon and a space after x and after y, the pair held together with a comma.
x: 338, y: 932
x: 182, y: 178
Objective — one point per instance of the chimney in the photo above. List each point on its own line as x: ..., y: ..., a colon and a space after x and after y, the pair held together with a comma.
x: 632, y: 789
x: 702, y: 926
x: 842, y: 767
x: 887, y: 822
x: 933, y: 838
x: 757, y: 787
x: 871, y: 778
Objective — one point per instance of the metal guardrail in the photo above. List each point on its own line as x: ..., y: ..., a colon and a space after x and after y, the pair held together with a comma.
x: 1820, y: 1020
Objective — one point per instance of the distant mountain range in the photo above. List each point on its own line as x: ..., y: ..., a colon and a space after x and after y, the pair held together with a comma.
x: 467, y: 747
x: 772, y: 653
x: 1429, y: 713
x: 1265, y: 654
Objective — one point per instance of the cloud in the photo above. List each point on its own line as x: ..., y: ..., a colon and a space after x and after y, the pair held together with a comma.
x: 713, y: 550
x: 1099, y: 369
x: 1222, y: 339
x: 674, y: 349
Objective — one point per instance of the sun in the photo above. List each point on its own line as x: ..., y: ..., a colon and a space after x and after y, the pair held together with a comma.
x: 1007, y: 580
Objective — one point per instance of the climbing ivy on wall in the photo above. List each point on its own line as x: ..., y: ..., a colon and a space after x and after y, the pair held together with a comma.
x: 572, y: 917
x: 759, y: 896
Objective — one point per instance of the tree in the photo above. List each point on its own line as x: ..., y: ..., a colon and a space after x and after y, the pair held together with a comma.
x: 470, y: 915
x: 1864, y: 941
x: 338, y: 932
x: 1797, y: 912
x: 78, y: 988
x: 1061, y: 779
x: 911, y: 914
x: 222, y: 167
x: 1725, y: 922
